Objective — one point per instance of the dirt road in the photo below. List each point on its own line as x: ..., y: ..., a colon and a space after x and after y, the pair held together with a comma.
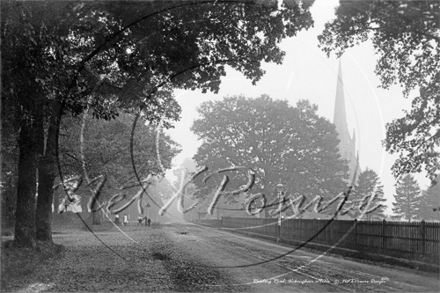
x: 257, y: 264
x: 191, y: 258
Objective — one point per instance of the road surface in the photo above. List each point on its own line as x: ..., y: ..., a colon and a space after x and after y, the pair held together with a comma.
x: 191, y: 258
x: 261, y: 266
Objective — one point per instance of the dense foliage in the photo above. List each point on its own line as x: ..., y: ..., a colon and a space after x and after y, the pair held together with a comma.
x: 104, y: 147
x: 280, y: 143
x: 62, y: 57
x: 405, y: 36
x: 92, y: 148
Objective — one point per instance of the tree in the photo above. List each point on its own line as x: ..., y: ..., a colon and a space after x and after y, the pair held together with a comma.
x: 105, y: 151
x: 430, y: 202
x: 9, y: 159
x: 406, y: 36
x: 65, y: 57
x: 416, y: 136
x: 407, y: 198
x: 279, y: 142
x: 368, y: 188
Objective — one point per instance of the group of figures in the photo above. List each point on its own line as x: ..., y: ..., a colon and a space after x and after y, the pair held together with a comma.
x: 147, y: 221
x: 125, y: 220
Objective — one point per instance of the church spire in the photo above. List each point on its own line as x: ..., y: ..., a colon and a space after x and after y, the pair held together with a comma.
x: 340, y: 117
x: 347, y: 144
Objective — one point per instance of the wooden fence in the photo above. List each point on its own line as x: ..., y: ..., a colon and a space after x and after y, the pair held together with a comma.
x: 405, y: 239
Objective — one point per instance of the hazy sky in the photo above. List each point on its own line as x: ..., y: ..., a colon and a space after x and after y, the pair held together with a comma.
x: 307, y: 73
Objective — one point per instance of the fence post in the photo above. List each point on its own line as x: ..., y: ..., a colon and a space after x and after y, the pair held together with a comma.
x: 384, y: 238
x: 279, y: 230
x: 423, y: 227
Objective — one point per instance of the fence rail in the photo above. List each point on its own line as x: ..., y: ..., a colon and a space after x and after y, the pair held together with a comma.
x: 406, y: 239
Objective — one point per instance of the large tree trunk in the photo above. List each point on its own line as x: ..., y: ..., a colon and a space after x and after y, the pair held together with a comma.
x: 25, y: 235
x: 9, y: 199
x: 46, y: 177
x: 44, y: 203
x: 29, y: 143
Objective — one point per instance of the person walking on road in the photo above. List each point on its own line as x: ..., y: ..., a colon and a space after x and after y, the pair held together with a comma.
x: 149, y: 222
x: 125, y: 220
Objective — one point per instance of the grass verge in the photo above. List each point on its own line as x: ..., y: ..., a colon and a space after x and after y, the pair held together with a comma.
x: 18, y: 263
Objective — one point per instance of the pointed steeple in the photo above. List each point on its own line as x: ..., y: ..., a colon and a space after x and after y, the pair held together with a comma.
x: 347, y: 144
x: 340, y: 117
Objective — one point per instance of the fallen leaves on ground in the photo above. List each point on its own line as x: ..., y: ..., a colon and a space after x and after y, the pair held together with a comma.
x: 136, y: 259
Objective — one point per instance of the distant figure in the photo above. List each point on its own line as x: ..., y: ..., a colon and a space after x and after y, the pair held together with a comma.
x: 140, y: 219
x: 117, y: 222
x: 149, y: 222
x: 125, y: 220
x: 146, y: 221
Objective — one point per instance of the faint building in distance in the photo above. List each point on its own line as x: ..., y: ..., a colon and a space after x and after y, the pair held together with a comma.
x: 347, y: 144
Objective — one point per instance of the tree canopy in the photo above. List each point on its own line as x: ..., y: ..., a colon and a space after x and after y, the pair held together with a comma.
x: 280, y: 143
x: 104, y: 147
x: 90, y: 148
x: 63, y: 57
x: 405, y: 36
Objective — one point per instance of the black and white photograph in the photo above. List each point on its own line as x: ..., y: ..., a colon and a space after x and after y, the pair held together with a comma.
x: 220, y: 146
